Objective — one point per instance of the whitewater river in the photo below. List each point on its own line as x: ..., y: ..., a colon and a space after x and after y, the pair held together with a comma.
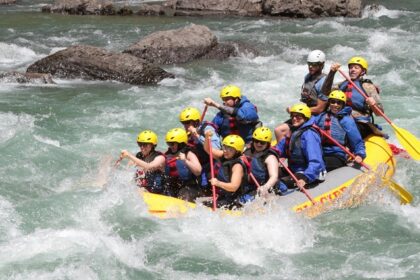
x: 66, y: 214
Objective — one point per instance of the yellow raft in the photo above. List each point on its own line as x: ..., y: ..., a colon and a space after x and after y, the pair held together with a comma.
x: 337, y: 181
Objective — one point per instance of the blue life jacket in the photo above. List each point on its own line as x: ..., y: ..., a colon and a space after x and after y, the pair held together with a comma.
x: 242, y: 122
x: 153, y: 181
x: 257, y: 161
x: 304, y: 152
x: 343, y: 129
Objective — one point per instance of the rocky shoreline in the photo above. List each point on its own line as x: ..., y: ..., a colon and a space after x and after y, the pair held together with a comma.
x: 254, y: 8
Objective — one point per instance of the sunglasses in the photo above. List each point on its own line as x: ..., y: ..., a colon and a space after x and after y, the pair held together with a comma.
x: 228, y: 148
x: 141, y: 144
x: 259, y: 142
x: 225, y: 99
x: 314, y: 64
x: 170, y: 144
x: 296, y: 116
x: 188, y: 122
x: 336, y: 101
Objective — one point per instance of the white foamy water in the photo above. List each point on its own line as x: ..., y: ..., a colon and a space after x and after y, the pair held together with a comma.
x: 13, y: 56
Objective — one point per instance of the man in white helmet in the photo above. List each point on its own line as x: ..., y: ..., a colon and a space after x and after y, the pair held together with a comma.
x: 312, y: 93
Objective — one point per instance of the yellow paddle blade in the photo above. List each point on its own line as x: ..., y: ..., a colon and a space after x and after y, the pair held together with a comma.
x: 405, y: 196
x: 410, y: 143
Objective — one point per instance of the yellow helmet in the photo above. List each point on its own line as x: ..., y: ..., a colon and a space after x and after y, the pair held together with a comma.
x: 263, y: 134
x: 338, y: 94
x: 360, y: 61
x: 189, y: 114
x: 301, y: 108
x: 178, y: 135
x: 234, y: 141
x: 230, y: 91
x: 147, y: 136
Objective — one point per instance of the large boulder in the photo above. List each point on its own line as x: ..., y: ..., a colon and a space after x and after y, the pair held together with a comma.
x: 174, y: 46
x: 26, y: 78
x: 93, y: 63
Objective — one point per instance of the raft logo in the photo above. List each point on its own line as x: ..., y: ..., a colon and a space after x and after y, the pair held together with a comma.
x: 326, y: 197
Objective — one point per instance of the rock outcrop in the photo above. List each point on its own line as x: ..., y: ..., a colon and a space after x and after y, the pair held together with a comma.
x: 184, y: 45
x: 93, y: 63
x: 175, y: 46
x: 313, y: 8
x: 26, y: 78
x: 285, y: 8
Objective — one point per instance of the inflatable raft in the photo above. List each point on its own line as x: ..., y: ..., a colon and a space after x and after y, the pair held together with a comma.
x: 337, y: 181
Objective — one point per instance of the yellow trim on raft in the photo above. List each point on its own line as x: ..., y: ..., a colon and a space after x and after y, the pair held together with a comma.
x: 377, y: 150
x: 163, y: 206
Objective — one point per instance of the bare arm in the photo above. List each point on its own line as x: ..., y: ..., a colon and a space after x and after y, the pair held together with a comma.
x: 328, y: 83
x: 157, y: 164
x: 235, y: 179
x: 319, y: 108
x: 217, y: 154
x: 273, y: 171
x: 373, y: 98
x: 193, y: 163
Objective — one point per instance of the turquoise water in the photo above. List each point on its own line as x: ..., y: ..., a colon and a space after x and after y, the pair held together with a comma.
x: 66, y: 214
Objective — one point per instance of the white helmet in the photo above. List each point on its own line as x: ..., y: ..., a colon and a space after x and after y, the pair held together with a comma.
x: 316, y: 56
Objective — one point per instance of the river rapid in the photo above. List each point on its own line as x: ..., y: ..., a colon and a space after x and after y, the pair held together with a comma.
x: 65, y: 213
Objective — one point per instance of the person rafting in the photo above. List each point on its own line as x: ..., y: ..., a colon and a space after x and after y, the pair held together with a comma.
x: 150, y: 163
x: 264, y: 161
x: 190, y: 118
x: 303, y: 151
x: 232, y: 183
x: 312, y: 92
x: 338, y: 123
x: 182, y: 166
x: 363, y: 109
x: 237, y: 114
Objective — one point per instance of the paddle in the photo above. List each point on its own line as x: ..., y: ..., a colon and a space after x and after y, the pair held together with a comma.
x: 405, y: 196
x: 410, y: 143
x: 213, y: 188
x: 296, y: 181
x: 204, y: 113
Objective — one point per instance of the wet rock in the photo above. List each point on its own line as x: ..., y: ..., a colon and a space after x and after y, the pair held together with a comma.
x: 81, y: 7
x: 313, y: 8
x: 187, y: 44
x: 93, y: 63
x: 175, y: 46
x: 150, y: 10
x: 26, y: 78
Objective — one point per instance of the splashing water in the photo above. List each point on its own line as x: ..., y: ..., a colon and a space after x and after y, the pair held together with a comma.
x: 368, y: 187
